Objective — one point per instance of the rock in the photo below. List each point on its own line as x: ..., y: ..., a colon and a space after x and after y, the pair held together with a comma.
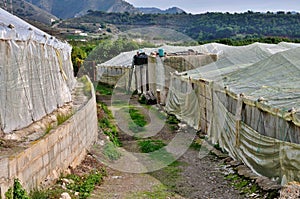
x: 116, y: 177
x: 267, y: 184
x: 65, y: 195
x: 182, y: 126
x: 65, y: 180
x: 12, y: 137
x: 235, y: 163
x: 227, y: 159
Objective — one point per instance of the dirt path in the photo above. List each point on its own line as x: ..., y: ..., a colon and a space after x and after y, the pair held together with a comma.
x: 197, y: 178
x: 188, y: 177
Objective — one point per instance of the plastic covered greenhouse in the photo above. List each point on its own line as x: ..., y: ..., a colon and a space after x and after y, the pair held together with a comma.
x: 36, y: 73
x: 247, y: 101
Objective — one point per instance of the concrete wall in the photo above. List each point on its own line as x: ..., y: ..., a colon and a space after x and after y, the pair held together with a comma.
x: 64, y: 146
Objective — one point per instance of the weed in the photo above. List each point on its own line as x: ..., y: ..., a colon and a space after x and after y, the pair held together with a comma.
x: 137, y: 122
x: 111, y: 151
x: 147, y: 146
x: 61, y: 118
x: 107, y: 126
x: 39, y: 194
x: 137, y: 117
x: 159, y: 192
x: 86, y: 184
x: 17, y: 191
x: 195, y: 145
x: 104, y: 89
x: 172, y: 119
x: 106, y: 110
x: 48, y: 129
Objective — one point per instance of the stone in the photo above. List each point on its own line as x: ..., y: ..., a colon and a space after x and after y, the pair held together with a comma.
x: 65, y: 195
x: 235, y: 163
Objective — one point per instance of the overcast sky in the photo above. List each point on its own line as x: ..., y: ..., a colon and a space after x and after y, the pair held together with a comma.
x: 202, y: 6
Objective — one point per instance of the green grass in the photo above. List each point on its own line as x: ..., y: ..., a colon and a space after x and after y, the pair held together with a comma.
x: 137, y: 117
x: 106, y: 110
x: 61, y: 118
x: 108, y: 127
x: 84, y: 185
x: 247, y: 186
x: 196, y: 146
x: 158, y: 192
x: 162, y: 156
x: 148, y: 146
x: 172, y: 119
x: 170, y: 175
x: 49, y: 127
x: 104, y: 89
x: 137, y: 120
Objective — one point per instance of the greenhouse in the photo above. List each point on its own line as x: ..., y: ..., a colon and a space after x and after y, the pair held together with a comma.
x: 36, y: 74
x: 246, y: 100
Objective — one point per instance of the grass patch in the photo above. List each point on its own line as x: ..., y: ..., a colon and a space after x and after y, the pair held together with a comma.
x: 248, y: 186
x: 137, y: 117
x: 196, y: 146
x: 148, y: 146
x: 17, y: 191
x: 108, y: 127
x: 49, y: 127
x: 39, y: 194
x: 172, y: 119
x: 169, y: 175
x: 162, y: 156
x: 83, y: 185
x: 137, y: 120
x: 104, y: 107
x: 111, y: 151
x: 104, y: 89
x: 158, y: 192
x: 61, y: 118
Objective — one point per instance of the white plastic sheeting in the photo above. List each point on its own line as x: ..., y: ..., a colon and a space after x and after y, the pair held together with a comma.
x: 36, y: 73
x: 248, y: 101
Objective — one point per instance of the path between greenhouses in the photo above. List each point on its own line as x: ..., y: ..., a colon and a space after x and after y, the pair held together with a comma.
x: 191, y: 176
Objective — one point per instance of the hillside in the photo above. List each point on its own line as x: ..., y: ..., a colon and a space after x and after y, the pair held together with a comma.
x: 74, y: 8
x: 153, y: 10
x: 202, y: 27
x: 28, y: 11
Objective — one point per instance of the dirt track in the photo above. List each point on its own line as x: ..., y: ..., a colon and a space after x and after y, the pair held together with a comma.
x: 191, y: 177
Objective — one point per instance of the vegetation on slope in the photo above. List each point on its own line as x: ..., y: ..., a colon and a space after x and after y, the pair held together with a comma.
x: 203, y: 27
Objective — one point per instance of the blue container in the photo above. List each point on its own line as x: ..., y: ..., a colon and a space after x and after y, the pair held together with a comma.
x: 161, y: 52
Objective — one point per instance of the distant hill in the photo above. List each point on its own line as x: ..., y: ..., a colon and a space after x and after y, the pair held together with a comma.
x: 152, y: 10
x: 28, y: 11
x: 200, y: 27
x: 74, y: 8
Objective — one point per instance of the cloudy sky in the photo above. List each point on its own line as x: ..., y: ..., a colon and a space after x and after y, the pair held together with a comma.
x: 202, y: 6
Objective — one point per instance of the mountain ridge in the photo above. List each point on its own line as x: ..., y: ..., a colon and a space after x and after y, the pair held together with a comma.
x: 154, y: 10
x: 28, y: 11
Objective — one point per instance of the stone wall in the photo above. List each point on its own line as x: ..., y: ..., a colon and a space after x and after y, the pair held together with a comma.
x: 44, y: 159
